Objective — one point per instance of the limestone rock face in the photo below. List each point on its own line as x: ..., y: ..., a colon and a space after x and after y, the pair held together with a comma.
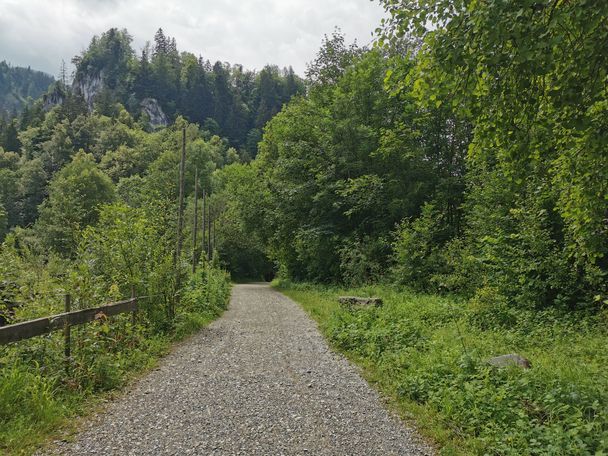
x: 55, y: 98
x: 88, y: 86
x: 151, y: 108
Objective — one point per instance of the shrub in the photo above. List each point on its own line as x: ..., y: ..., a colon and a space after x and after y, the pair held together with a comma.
x: 363, y: 261
x: 488, y: 309
x: 207, y: 291
x: 418, y: 248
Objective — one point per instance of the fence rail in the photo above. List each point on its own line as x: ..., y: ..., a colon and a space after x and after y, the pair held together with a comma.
x: 45, y: 325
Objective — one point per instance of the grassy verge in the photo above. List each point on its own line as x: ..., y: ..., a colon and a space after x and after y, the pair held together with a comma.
x: 427, y: 355
x: 39, y: 398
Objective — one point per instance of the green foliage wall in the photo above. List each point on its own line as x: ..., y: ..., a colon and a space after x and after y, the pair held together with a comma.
x: 465, y: 152
x: 531, y: 78
x: 346, y: 164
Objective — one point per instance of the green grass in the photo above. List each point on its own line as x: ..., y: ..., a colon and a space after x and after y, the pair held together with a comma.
x: 427, y: 355
x: 39, y: 400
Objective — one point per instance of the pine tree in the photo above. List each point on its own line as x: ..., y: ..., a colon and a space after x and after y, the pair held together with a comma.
x: 292, y: 85
x: 143, y: 85
x: 160, y: 43
x: 222, y: 95
x: 63, y: 74
x: 269, y: 95
x: 10, y: 140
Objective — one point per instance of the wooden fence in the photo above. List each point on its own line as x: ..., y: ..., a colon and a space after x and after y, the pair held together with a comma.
x: 63, y: 321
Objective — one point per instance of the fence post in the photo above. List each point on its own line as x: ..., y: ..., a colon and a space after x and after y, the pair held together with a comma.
x: 67, y: 349
x: 203, y: 245
x: 134, y: 313
x: 214, y: 243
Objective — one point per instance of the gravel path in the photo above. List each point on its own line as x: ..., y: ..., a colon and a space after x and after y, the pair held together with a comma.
x: 259, y: 381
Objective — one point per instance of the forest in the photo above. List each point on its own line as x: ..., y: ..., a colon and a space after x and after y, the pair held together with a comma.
x: 457, y: 168
x: 443, y: 161
x: 18, y: 86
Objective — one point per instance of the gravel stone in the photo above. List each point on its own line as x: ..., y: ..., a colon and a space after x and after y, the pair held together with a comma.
x: 260, y: 380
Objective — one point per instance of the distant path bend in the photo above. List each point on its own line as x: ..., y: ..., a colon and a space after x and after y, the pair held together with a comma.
x: 260, y: 380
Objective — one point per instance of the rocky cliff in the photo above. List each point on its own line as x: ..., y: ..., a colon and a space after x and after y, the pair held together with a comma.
x: 55, y: 96
x: 88, y: 86
x: 151, y: 108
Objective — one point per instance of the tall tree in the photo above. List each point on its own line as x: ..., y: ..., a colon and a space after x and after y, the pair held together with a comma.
x: 75, y: 196
x: 10, y: 137
x: 223, y: 99
x: 143, y: 84
x: 531, y: 77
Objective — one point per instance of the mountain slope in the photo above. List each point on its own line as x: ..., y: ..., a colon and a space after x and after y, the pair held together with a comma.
x: 224, y: 99
x: 17, y: 84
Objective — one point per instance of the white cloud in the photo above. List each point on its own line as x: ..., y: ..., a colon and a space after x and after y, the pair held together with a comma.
x: 41, y: 33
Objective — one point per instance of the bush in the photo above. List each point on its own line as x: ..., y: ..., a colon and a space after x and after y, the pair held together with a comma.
x: 488, y: 309
x: 316, y: 255
x: 207, y: 291
x: 418, y: 249
x: 363, y: 261
x: 130, y: 248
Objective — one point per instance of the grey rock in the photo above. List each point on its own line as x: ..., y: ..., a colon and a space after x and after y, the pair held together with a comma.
x: 151, y: 108
x: 512, y: 359
x: 50, y: 100
x: 88, y: 86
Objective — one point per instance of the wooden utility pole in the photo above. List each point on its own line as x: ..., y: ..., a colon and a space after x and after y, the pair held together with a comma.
x: 180, y: 219
x: 195, y: 228
x: 203, y: 245
x: 209, y: 249
x: 214, y: 244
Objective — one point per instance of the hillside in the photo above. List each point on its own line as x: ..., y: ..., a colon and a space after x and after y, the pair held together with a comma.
x: 162, y: 83
x: 118, y: 103
x: 17, y: 84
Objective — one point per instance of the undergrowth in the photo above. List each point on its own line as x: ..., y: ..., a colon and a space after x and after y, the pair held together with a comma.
x: 39, y: 394
x: 429, y: 353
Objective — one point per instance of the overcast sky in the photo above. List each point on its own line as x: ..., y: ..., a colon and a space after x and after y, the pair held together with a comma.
x: 39, y: 33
